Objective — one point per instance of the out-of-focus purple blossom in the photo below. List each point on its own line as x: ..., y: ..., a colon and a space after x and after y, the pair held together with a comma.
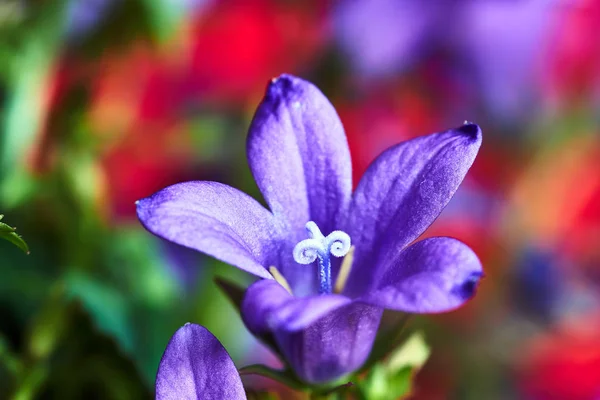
x: 299, y: 157
x: 503, y: 42
x: 382, y: 37
x: 538, y: 284
x: 549, y: 289
x: 83, y: 16
x: 183, y: 263
x: 496, y: 43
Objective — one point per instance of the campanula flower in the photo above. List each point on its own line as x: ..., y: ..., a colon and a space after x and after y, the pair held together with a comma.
x: 331, y: 260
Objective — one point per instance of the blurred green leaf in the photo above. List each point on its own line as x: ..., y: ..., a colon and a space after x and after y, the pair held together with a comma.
x: 90, y: 364
x: 49, y: 326
x: 9, y: 360
x: 31, y: 382
x: 163, y: 16
x: 108, y: 307
x: 391, y: 379
x: 414, y: 353
x: 27, y: 64
x: 389, y: 336
x: 281, y: 376
x: 233, y: 291
x: 8, y: 233
x: 136, y: 300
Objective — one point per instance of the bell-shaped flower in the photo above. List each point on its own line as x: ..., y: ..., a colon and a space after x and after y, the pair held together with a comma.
x: 331, y: 260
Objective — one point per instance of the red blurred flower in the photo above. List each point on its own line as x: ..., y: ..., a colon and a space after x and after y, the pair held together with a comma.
x: 382, y: 119
x: 574, y: 56
x: 564, y: 365
x: 135, y: 108
x: 238, y: 45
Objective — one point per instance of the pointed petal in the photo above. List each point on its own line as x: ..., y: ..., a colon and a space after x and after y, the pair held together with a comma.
x: 433, y: 275
x: 299, y: 156
x: 401, y: 194
x: 196, y: 366
x: 334, y: 345
x: 215, y: 219
x: 267, y: 307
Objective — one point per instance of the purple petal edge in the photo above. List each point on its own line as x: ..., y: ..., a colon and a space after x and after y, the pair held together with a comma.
x: 431, y: 276
x: 268, y: 307
x: 214, y: 219
x: 402, y: 192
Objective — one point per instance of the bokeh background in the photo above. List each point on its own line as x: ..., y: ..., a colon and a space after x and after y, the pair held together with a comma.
x: 103, y: 102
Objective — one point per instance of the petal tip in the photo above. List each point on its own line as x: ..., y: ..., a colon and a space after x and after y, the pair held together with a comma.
x: 142, y: 209
x: 468, y: 288
x: 471, y: 130
x: 285, y: 83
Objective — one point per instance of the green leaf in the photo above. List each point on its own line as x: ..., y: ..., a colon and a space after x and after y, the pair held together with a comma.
x: 133, y: 295
x: 414, y: 353
x: 108, y: 307
x: 85, y: 354
x: 282, y: 376
x: 164, y: 17
x: 49, y: 326
x: 391, y: 379
x: 388, y: 337
x: 8, y: 233
x: 233, y: 291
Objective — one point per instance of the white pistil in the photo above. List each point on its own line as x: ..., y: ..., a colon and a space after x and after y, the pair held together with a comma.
x: 319, y: 248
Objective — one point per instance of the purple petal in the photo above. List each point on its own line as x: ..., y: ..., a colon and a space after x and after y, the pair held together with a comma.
x: 268, y: 307
x: 333, y: 346
x: 433, y: 275
x: 215, y: 219
x: 401, y: 194
x: 196, y: 366
x: 298, y: 154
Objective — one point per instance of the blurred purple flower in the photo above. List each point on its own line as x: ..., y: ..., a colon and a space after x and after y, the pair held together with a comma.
x: 183, y: 263
x: 497, y: 42
x: 538, y: 284
x: 382, y: 37
x: 84, y: 15
x: 299, y: 157
x: 196, y: 366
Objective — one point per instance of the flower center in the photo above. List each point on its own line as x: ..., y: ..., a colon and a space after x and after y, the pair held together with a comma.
x: 320, y: 247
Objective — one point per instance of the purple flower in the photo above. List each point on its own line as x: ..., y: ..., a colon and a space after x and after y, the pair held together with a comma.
x: 497, y: 44
x: 196, y: 366
x: 323, y: 323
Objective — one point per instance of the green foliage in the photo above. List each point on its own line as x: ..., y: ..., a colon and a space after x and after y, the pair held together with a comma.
x: 133, y: 302
x: 284, y: 377
x: 9, y: 233
x: 391, y: 379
